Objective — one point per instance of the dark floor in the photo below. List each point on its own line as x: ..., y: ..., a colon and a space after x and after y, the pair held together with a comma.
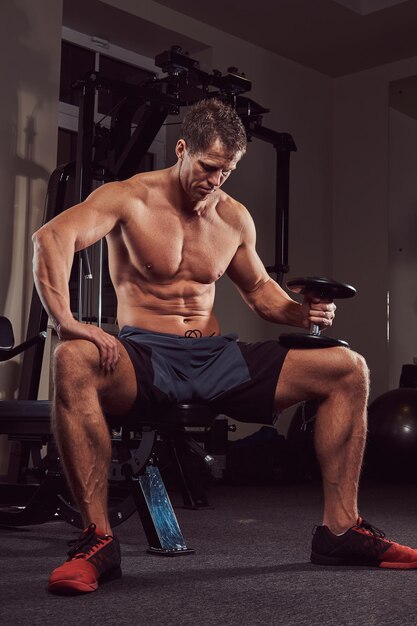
x: 251, y: 566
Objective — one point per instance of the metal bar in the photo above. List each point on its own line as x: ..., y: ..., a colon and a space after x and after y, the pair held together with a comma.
x: 84, y: 170
x: 282, y: 215
x: 126, y: 164
x: 284, y: 145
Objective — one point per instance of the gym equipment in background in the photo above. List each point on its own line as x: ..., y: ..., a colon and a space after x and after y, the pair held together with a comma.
x: 408, y: 376
x: 327, y: 290
x: 391, y: 451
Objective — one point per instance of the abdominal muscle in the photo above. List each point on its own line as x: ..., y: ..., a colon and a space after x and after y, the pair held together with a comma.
x: 167, y: 311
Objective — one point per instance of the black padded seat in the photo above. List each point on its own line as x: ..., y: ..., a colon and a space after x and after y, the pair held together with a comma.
x: 32, y: 417
x: 25, y: 417
x: 186, y: 414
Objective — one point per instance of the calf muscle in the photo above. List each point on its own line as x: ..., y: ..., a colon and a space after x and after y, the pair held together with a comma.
x: 339, y: 379
x: 83, y: 392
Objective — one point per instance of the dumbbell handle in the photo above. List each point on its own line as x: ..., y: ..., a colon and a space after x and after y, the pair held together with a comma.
x: 322, y: 295
x: 315, y: 329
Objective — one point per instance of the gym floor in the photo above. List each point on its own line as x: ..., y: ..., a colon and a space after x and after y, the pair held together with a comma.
x: 251, y: 566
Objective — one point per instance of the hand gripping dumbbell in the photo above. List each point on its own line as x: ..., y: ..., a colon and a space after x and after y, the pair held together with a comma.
x: 322, y: 288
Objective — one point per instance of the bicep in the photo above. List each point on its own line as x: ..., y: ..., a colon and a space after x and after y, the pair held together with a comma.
x: 256, y: 287
x: 246, y: 269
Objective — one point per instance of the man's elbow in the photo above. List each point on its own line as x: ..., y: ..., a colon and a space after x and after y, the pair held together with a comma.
x: 37, y: 241
x: 38, y: 237
x: 43, y: 243
x: 47, y: 237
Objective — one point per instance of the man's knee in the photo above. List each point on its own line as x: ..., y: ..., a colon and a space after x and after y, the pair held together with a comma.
x: 74, y: 360
x: 354, y: 369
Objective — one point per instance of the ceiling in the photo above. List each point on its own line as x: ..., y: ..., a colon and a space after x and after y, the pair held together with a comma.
x: 335, y: 37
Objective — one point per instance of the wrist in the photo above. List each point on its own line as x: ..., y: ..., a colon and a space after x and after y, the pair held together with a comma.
x: 295, y: 316
x: 62, y: 325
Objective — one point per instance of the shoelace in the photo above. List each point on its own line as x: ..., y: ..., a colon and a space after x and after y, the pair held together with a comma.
x: 373, y: 530
x: 85, y: 543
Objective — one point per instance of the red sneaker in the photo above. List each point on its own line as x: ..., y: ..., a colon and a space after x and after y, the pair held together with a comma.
x: 95, y: 556
x: 362, y: 544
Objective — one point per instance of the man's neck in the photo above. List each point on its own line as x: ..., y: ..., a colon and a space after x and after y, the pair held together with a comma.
x: 186, y: 206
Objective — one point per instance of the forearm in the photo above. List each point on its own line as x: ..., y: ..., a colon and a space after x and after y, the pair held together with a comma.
x: 271, y: 303
x: 51, y: 270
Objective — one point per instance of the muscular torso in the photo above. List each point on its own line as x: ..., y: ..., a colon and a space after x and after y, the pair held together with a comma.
x: 164, y: 261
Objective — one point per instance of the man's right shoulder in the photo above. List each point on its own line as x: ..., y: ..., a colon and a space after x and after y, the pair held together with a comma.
x: 135, y: 194
x: 145, y: 180
x: 118, y: 194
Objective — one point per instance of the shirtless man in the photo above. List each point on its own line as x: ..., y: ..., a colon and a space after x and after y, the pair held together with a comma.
x: 171, y: 234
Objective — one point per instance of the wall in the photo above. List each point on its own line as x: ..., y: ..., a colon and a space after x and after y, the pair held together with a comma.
x: 402, y: 242
x: 360, y: 236
x: 29, y: 67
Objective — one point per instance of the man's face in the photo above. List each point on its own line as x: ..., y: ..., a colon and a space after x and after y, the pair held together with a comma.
x: 201, y: 174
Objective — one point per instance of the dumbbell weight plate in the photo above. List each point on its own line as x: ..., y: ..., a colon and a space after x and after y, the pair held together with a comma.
x: 304, y: 341
x: 323, y: 287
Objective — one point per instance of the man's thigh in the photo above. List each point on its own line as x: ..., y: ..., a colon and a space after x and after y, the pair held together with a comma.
x: 308, y: 374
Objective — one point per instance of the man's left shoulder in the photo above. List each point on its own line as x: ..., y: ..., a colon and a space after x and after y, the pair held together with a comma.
x: 230, y: 208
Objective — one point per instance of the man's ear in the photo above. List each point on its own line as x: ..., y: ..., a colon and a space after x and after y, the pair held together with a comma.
x: 180, y: 148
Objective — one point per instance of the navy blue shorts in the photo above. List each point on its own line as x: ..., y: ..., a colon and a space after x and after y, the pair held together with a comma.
x: 235, y: 378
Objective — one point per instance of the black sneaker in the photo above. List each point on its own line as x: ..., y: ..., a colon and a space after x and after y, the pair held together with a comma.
x: 95, y: 556
x: 362, y: 544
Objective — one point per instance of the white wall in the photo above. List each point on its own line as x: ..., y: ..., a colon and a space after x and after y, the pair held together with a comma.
x: 361, y: 209
x: 29, y: 68
x: 28, y: 126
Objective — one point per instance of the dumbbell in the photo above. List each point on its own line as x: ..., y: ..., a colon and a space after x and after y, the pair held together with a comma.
x: 325, y: 289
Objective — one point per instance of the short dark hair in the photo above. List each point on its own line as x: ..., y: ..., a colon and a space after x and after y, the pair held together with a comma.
x: 212, y: 119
